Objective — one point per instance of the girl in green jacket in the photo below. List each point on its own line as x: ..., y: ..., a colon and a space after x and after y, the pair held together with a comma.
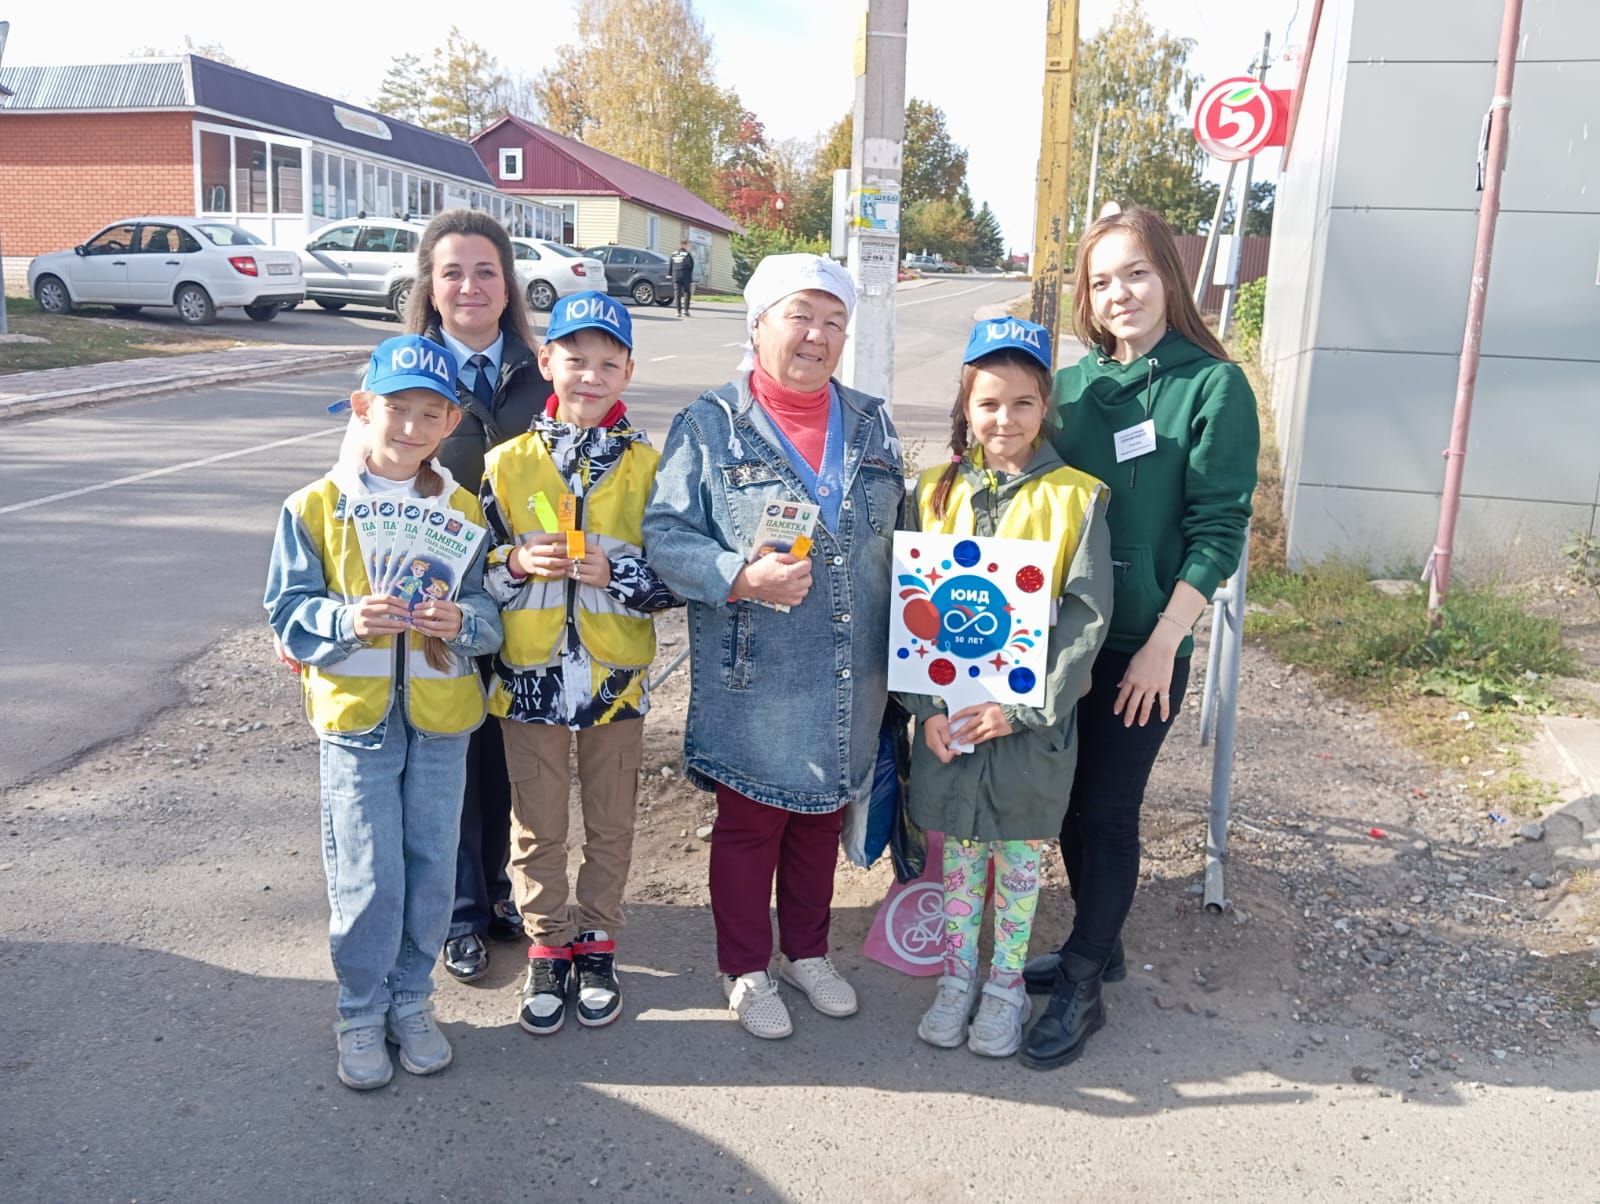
x: 992, y: 778
x: 1158, y: 412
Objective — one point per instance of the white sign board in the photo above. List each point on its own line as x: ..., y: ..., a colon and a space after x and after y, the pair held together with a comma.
x: 969, y: 621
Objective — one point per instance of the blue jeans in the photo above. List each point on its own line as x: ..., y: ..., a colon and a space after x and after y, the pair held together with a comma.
x: 390, y: 820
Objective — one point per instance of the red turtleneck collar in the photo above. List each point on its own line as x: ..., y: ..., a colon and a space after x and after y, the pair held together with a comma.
x: 802, y: 417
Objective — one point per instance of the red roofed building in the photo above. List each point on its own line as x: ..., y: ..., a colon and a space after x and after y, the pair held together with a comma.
x: 607, y: 199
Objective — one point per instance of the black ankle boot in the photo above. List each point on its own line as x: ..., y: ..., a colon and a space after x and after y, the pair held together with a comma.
x: 1074, y: 1014
x: 1039, y: 974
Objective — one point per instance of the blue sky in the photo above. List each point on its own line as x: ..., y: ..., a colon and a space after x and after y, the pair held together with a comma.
x: 790, y: 60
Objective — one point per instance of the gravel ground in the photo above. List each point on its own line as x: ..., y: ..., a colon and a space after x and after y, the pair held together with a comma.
x: 164, y: 977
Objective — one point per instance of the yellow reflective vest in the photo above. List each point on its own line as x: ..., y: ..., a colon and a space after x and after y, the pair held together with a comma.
x: 611, y: 511
x: 353, y: 695
x: 1051, y: 506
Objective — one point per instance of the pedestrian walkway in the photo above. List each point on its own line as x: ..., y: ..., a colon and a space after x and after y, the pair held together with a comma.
x: 60, y: 388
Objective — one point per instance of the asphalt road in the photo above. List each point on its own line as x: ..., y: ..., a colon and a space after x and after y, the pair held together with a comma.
x: 136, y: 533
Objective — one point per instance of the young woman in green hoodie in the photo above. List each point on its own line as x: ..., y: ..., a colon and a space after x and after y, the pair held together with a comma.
x: 1158, y: 412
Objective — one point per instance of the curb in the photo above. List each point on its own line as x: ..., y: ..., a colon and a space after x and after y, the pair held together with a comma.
x: 65, y: 399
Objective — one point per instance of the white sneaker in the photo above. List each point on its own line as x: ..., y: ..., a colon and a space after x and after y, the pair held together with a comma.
x: 754, y: 1001
x: 997, y: 1028
x: 945, y: 1022
x: 822, y: 984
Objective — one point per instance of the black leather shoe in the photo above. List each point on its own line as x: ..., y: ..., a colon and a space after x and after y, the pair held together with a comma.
x: 1074, y: 1014
x: 1039, y: 974
x: 506, y: 922
x: 466, y: 958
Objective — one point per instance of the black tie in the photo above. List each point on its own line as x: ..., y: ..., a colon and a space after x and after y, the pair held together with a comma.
x: 482, y: 389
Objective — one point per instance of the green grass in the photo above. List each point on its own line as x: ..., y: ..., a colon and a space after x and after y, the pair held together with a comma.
x: 89, y: 338
x: 721, y: 298
x: 1458, y: 690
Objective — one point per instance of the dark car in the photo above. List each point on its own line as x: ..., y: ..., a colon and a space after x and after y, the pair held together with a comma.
x: 633, y: 272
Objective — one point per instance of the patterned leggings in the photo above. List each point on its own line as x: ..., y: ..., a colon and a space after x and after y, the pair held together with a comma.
x: 1016, y: 898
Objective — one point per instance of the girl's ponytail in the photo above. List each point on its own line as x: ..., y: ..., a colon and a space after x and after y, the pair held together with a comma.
x: 958, y: 449
x: 434, y: 650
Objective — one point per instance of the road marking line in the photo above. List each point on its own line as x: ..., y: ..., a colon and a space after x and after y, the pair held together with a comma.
x: 738, y: 344
x: 172, y: 468
x: 943, y: 296
x: 656, y: 359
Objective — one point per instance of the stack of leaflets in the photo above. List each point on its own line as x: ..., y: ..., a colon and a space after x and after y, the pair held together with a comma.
x: 785, y: 527
x: 414, y: 549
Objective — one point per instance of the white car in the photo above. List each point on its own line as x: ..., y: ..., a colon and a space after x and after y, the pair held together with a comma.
x: 548, y: 271
x: 194, y: 264
x: 363, y: 261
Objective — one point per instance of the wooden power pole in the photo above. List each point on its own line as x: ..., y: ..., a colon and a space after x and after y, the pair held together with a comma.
x: 1048, y: 264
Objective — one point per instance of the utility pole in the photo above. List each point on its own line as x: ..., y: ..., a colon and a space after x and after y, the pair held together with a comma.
x: 5, y: 28
x: 873, y: 234
x: 1052, y: 198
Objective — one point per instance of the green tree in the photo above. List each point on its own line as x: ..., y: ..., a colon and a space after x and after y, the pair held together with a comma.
x: 1134, y: 82
x: 935, y: 168
x: 464, y: 85
x: 638, y: 83
x: 988, y: 242
x: 459, y: 91
x: 939, y: 227
x: 405, y: 90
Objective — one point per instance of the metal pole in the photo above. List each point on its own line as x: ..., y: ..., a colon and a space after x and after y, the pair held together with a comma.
x: 1491, y: 165
x: 1208, y: 696
x: 1052, y: 198
x: 1227, y: 706
x: 1094, y: 174
x: 5, y: 30
x: 875, y: 166
x: 1209, y: 259
x: 1236, y: 253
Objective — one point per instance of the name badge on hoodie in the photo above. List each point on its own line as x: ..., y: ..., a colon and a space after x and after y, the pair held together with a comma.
x: 1135, y: 441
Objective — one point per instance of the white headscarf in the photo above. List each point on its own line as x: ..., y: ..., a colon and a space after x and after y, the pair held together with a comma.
x: 779, y: 276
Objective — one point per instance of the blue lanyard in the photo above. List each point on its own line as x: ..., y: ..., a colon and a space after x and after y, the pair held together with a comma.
x: 825, y: 485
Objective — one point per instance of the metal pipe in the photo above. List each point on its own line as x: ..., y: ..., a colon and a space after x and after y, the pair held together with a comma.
x: 656, y: 681
x: 1208, y: 695
x: 1215, y: 898
x: 1236, y: 251
x: 1492, y: 152
x: 1209, y: 259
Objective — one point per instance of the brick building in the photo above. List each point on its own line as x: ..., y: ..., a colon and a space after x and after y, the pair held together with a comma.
x: 605, y: 199
x: 83, y: 146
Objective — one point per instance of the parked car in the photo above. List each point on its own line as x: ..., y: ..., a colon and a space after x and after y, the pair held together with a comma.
x: 642, y: 276
x: 194, y: 264
x: 547, y: 271
x: 362, y: 261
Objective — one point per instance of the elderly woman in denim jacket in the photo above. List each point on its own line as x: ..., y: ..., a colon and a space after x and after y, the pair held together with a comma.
x: 784, y: 706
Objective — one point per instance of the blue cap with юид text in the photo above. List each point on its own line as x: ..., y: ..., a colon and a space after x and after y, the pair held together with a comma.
x: 996, y: 334
x: 590, y: 310
x: 408, y: 361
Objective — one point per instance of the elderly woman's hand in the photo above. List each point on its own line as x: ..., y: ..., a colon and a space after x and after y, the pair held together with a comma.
x: 778, y: 577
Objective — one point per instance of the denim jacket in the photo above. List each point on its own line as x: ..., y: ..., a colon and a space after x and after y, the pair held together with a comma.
x: 783, y: 707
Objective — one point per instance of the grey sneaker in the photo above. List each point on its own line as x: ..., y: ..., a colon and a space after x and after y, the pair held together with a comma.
x: 997, y: 1028
x: 423, y: 1048
x: 945, y: 1022
x: 363, y: 1059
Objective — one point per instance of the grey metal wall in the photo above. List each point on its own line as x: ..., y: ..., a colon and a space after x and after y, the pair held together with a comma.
x: 1371, y: 259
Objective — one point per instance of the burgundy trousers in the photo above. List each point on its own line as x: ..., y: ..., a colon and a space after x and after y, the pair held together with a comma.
x: 750, y: 843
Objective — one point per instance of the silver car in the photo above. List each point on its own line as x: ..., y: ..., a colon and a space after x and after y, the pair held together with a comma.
x: 362, y: 261
x: 548, y: 271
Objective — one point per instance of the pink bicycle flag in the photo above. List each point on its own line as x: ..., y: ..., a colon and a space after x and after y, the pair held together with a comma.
x: 907, y: 934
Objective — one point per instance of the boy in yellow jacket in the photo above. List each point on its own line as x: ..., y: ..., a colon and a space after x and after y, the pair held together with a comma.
x: 565, y: 503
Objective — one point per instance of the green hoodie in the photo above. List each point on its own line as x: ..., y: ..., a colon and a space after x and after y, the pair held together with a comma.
x: 1180, y: 513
